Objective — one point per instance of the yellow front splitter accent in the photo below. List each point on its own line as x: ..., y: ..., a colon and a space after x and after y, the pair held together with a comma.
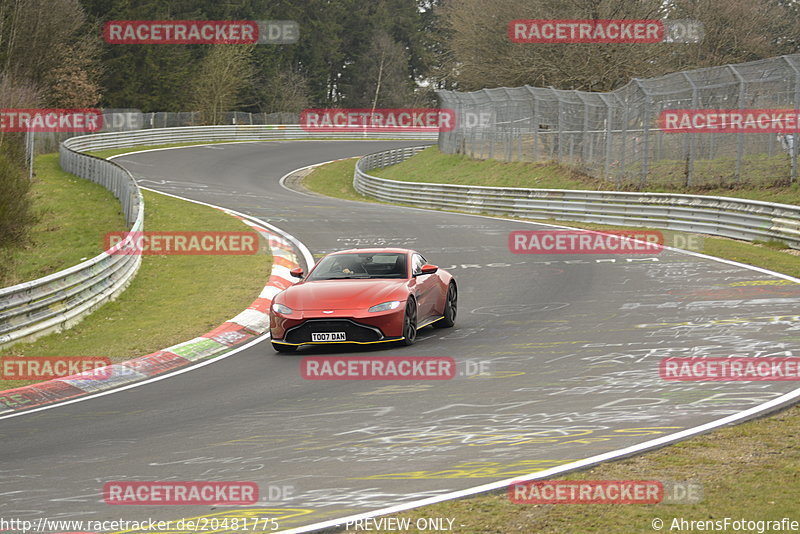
x: 393, y: 340
x: 340, y: 342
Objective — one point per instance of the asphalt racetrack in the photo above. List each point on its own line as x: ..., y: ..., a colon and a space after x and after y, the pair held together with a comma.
x: 571, y: 343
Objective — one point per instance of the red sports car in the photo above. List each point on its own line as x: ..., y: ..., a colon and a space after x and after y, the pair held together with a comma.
x: 363, y: 296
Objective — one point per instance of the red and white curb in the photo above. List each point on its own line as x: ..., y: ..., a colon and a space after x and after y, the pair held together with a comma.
x: 234, y: 333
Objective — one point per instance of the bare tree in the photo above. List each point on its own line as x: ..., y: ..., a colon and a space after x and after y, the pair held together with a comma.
x: 16, y: 94
x: 16, y: 206
x: 285, y: 91
x: 73, y: 83
x: 737, y: 31
x: 224, y: 74
x: 44, y: 60
x: 479, y: 54
x: 44, y: 42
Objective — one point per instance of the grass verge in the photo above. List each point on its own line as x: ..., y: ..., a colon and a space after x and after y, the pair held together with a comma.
x: 433, y: 166
x: 335, y: 180
x: 62, y: 237
x: 750, y: 471
x: 172, y: 298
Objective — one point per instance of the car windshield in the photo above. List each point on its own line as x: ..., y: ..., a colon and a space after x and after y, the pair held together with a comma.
x: 360, y: 265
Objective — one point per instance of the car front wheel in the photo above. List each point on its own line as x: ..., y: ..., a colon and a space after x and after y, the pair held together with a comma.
x: 410, y: 323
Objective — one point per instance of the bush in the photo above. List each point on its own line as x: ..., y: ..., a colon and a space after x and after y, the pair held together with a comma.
x: 16, y: 205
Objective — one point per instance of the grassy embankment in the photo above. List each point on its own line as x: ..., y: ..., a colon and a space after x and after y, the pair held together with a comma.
x: 172, y: 298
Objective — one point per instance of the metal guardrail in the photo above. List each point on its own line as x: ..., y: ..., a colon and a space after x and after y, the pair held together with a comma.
x: 33, y: 309
x: 721, y: 216
x: 208, y: 134
x: 50, y: 304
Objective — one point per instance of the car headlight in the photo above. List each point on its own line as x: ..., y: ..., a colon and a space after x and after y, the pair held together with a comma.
x: 386, y: 306
x: 280, y: 308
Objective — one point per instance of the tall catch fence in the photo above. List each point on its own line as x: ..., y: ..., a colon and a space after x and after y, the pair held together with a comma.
x: 616, y: 136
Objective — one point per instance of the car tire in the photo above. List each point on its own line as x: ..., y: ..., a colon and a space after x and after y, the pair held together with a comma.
x: 450, y: 308
x: 284, y: 348
x: 410, y: 323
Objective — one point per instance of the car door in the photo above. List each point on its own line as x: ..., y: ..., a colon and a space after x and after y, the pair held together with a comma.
x: 426, y: 287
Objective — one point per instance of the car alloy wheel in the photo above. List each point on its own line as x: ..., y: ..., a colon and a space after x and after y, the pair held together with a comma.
x: 410, y: 323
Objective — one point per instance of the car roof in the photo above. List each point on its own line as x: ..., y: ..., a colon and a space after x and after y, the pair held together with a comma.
x: 372, y: 250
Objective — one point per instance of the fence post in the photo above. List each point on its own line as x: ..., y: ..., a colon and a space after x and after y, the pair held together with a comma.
x: 740, y: 136
x: 609, y: 139
x: 492, y: 133
x: 29, y: 146
x: 624, y: 135
x: 508, y: 138
x: 535, y: 122
x: 645, y: 130
x: 586, y: 147
x: 794, y: 147
x: 560, y: 125
x: 471, y: 141
x: 692, y: 137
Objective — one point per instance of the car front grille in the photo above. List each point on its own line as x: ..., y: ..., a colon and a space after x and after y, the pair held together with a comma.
x: 354, y: 331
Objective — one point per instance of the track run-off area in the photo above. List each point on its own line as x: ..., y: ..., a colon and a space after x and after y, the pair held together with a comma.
x: 571, y: 346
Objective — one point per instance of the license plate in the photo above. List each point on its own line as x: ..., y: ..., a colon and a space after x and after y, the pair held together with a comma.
x: 328, y: 336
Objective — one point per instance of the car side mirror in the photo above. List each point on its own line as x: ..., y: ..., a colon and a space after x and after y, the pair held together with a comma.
x: 428, y: 269
x: 297, y: 272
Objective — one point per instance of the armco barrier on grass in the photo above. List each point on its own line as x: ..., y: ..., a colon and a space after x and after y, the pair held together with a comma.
x: 736, y: 218
x: 57, y: 301
x: 250, y: 323
x: 228, y: 132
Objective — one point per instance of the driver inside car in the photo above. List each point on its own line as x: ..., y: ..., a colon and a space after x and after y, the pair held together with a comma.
x: 355, y: 264
x: 346, y: 265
